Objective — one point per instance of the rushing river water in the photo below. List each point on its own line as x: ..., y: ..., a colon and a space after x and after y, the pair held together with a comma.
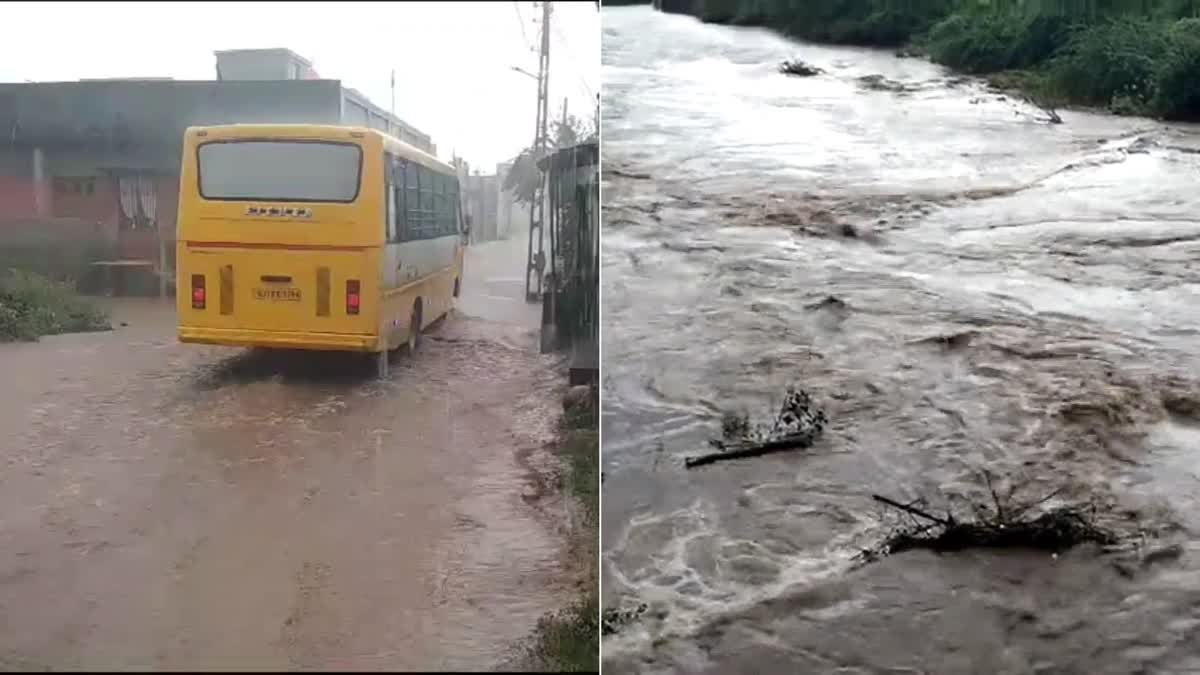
x: 961, y: 285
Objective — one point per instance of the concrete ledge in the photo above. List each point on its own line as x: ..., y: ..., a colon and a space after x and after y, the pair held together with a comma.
x: 585, y: 364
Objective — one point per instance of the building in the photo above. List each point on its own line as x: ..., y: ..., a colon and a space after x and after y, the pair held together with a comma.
x: 480, y: 193
x: 495, y: 212
x: 284, y: 64
x: 512, y: 216
x: 105, y: 154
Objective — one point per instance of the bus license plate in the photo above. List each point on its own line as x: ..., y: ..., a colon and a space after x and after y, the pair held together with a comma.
x: 277, y: 294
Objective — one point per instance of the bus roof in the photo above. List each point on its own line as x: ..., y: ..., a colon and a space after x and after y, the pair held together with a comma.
x: 322, y: 132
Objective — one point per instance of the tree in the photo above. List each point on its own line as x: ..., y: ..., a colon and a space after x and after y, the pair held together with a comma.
x: 524, y: 176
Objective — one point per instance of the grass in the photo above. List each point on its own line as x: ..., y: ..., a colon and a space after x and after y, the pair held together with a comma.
x: 32, y: 306
x: 568, y: 641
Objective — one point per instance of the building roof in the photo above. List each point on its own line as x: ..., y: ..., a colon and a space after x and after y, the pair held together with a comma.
x: 113, y: 113
x: 268, y: 50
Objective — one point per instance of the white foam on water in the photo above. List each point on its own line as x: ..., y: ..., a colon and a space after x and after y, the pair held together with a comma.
x: 668, y: 578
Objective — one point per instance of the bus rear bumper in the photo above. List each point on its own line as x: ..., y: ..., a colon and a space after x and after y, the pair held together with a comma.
x: 240, y: 337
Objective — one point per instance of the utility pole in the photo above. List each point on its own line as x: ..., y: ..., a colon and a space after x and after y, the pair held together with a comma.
x: 537, y: 210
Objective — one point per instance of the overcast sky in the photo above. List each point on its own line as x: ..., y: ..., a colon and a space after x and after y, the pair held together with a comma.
x: 453, y: 61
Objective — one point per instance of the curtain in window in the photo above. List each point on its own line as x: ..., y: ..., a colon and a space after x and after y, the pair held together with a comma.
x: 127, y: 189
x: 148, y: 196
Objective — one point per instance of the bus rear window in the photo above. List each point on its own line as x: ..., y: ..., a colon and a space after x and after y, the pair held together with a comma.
x: 280, y: 171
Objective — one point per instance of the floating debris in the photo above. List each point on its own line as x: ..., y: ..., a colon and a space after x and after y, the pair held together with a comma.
x: 1004, y: 524
x: 613, y: 619
x: 797, y: 425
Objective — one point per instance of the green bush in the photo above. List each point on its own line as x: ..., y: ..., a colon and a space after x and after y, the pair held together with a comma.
x: 1177, y: 80
x: 726, y: 11
x: 567, y: 641
x: 32, y: 306
x: 1118, y: 58
x: 996, y: 41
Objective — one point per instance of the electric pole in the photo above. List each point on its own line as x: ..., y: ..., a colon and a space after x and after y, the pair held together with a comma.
x: 537, y: 210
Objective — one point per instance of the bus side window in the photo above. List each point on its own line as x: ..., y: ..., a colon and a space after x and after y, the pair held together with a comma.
x: 412, y: 203
x: 443, y: 202
x: 401, y: 214
x: 389, y: 191
x: 455, y: 207
x: 429, y: 187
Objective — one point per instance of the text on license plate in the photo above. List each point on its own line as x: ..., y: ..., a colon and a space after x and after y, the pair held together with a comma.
x: 277, y: 294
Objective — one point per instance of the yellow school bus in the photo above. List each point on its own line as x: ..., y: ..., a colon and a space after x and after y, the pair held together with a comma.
x: 314, y: 237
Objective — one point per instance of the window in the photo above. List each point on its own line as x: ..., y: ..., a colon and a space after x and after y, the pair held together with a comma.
x: 401, y: 191
x: 412, y: 202
x: 391, y: 217
x: 426, y: 203
x: 74, y: 186
x: 455, y: 204
x: 439, y: 205
x: 297, y: 171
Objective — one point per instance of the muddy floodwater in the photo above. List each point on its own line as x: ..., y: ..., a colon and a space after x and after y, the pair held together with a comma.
x: 960, y: 285
x: 167, y: 506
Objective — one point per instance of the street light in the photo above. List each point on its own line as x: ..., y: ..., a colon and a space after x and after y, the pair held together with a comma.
x: 525, y: 72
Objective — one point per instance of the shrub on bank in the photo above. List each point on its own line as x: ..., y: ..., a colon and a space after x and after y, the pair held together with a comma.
x: 991, y: 42
x: 1111, y: 60
x: 32, y: 306
x: 567, y: 641
x: 1177, y: 77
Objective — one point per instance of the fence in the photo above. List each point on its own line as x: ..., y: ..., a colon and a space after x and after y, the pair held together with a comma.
x: 572, y: 305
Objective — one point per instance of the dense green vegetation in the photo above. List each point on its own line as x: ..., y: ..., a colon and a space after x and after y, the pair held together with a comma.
x: 1131, y: 56
x: 32, y: 306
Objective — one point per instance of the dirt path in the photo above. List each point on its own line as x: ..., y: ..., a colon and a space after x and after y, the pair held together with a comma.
x: 166, y: 506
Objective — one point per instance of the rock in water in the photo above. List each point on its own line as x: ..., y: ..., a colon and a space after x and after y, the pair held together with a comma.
x: 799, y: 68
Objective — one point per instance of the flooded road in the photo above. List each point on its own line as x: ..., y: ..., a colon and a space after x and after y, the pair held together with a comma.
x: 167, y: 506
x: 960, y: 285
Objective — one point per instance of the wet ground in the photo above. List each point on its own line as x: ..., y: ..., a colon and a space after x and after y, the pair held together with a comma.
x: 167, y: 506
x: 960, y: 285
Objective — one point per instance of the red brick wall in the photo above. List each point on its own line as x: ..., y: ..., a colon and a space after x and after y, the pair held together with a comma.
x: 87, y: 198
x: 17, y: 197
x: 68, y: 199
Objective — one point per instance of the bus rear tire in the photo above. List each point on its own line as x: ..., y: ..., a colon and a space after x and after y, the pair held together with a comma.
x: 414, y: 330
x: 381, y: 364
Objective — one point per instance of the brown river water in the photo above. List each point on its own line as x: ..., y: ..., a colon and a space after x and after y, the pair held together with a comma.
x: 167, y: 506
x: 1015, y: 295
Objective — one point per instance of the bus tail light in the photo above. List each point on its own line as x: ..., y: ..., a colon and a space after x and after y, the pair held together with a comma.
x: 353, y: 297
x: 199, y: 295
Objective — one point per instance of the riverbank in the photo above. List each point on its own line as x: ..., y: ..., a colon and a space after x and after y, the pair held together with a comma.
x: 1132, y: 62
